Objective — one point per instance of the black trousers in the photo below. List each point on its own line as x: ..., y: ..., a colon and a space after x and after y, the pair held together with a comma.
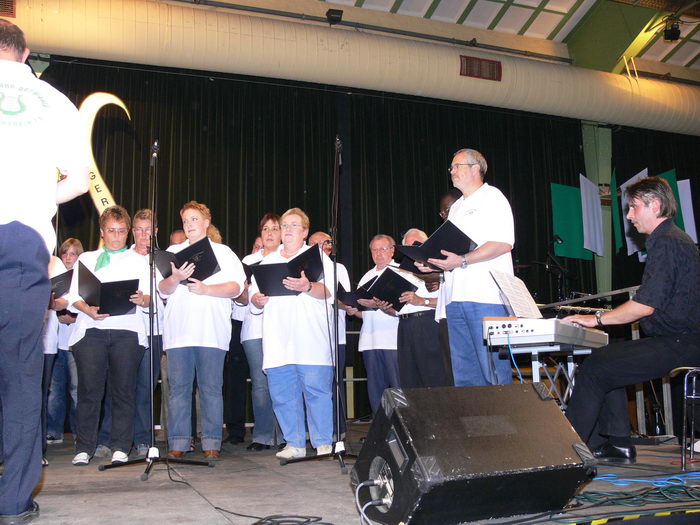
x: 235, y: 384
x: 419, y: 352
x: 598, y: 406
x: 24, y: 297
x: 445, y: 349
x: 99, y: 355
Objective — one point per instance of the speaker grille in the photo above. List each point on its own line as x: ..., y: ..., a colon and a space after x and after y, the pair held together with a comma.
x: 8, y: 8
x: 480, y: 68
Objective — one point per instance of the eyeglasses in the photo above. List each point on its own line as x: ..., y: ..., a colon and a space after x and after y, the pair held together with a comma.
x: 455, y: 166
x: 142, y: 230
x: 381, y: 250
x: 291, y: 226
x: 120, y: 231
x: 444, y: 213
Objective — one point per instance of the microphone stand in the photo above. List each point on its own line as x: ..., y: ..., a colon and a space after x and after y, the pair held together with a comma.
x: 558, y: 269
x: 338, y: 446
x: 153, y: 455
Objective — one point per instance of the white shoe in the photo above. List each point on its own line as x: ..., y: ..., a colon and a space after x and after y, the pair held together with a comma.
x: 102, y: 451
x: 119, y: 457
x: 81, y: 459
x: 324, y: 449
x: 290, y: 452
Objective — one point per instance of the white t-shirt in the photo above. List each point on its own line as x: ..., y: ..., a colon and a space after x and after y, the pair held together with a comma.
x: 158, y: 305
x: 296, y: 329
x: 379, y: 330
x: 484, y: 216
x: 40, y: 131
x: 124, y: 265
x: 202, y: 320
x: 252, y: 323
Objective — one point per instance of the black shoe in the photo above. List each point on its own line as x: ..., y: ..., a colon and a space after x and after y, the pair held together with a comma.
x: 28, y: 515
x: 609, y: 452
x: 257, y: 447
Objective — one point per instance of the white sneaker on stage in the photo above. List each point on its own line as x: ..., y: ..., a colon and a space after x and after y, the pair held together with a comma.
x: 324, y: 449
x: 81, y: 459
x: 290, y: 452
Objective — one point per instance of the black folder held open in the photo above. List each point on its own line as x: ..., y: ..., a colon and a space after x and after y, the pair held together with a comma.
x: 389, y: 286
x: 269, y: 277
x: 112, y: 297
x: 61, y: 283
x: 350, y: 298
x: 199, y: 253
x: 447, y: 237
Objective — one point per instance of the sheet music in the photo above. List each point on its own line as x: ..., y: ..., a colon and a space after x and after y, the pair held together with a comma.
x: 516, y: 295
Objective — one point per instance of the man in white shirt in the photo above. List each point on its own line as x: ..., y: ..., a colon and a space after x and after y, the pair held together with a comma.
x: 34, y: 117
x: 379, y: 328
x: 484, y: 214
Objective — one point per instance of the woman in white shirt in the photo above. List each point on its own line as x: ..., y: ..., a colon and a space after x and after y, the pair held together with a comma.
x: 107, y: 346
x: 196, y: 335
x: 251, y: 339
x: 297, y: 346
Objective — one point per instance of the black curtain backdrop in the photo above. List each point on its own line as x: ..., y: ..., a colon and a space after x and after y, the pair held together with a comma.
x: 245, y: 146
x: 633, y: 150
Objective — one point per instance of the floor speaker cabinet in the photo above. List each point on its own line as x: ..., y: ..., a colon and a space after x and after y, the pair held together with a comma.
x: 459, y: 454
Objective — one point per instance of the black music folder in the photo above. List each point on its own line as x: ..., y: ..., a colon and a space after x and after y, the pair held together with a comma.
x: 112, y: 298
x: 350, y: 298
x: 200, y: 254
x: 389, y: 286
x: 446, y: 237
x: 61, y: 284
x: 248, y: 269
x: 269, y: 276
x: 407, y: 263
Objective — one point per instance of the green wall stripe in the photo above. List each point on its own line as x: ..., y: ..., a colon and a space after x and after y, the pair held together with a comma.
x: 466, y: 12
x: 500, y: 14
x: 533, y: 16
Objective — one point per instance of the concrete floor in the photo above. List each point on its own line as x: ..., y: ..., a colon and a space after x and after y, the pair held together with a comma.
x: 252, y: 484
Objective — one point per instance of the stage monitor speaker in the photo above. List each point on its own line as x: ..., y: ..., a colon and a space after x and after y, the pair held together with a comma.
x: 457, y: 454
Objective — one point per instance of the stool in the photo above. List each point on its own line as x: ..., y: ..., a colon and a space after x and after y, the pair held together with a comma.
x: 691, y: 395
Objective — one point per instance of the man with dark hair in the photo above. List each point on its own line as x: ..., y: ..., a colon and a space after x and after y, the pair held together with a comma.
x: 667, y: 305
x: 34, y: 117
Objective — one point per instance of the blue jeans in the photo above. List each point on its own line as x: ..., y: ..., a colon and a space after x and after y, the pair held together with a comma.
x: 143, y: 419
x: 64, y: 374
x: 265, y: 426
x: 382, y: 372
x: 290, y: 387
x: 472, y: 363
x: 209, y: 366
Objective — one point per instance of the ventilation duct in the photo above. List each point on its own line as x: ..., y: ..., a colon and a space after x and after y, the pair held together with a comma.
x: 206, y: 38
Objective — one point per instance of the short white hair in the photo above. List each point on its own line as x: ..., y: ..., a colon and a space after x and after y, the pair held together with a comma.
x: 422, y: 236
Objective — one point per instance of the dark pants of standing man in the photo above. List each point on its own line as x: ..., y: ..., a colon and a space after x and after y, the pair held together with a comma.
x: 419, y: 353
x: 235, y: 386
x: 598, y: 406
x: 25, y: 293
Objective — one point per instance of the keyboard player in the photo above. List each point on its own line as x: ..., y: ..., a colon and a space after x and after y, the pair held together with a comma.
x: 667, y: 305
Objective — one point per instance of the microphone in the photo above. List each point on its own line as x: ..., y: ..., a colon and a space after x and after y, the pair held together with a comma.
x: 154, y: 152
x: 558, y: 239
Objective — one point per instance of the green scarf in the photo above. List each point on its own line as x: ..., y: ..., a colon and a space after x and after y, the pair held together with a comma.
x: 103, y: 259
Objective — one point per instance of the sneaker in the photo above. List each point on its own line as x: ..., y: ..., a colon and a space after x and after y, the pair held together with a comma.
x: 102, y: 451
x: 291, y: 452
x: 324, y: 449
x: 81, y: 459
x: 142, y: 450
x: 54, y: 440
x: 119, y: 457
x: 44, y: 462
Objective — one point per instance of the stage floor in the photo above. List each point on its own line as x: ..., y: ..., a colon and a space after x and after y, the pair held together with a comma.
x: 254, y: 484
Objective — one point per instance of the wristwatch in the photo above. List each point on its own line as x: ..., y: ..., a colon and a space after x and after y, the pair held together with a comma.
x: 426, y: 302
x: 464, y: 262
x: 311, y: 285
x: 599, y: 319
